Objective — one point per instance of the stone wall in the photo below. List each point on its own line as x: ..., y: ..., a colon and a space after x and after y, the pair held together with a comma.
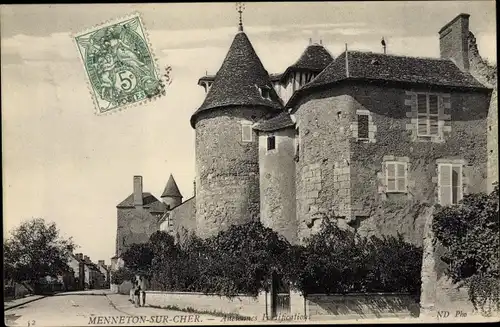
x: 488, y: 75
x: 135, y: 225
x: 277, y: 183
x: 183, y: 219
x: 360, y: 306
x: 376, y: 212
x: 227, y: 170
x: 438, y: 292
x: 242, y: 304
x: 322, y: 174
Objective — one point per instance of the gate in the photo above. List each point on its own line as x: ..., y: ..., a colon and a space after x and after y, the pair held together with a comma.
x: 280, y: 297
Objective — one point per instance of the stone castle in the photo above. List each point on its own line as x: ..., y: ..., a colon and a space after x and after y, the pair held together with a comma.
x: 368, y: 139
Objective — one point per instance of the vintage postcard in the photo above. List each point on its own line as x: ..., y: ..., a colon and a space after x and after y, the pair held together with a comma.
x: 250, y: 163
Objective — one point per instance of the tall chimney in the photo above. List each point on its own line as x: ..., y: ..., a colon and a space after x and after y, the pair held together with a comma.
x: 138, y: 191
x: 453, y: 41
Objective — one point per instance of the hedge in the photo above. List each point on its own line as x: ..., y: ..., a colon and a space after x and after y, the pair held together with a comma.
x: 244, y: 259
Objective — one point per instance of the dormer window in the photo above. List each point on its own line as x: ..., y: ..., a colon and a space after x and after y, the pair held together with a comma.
x: 265, y: 92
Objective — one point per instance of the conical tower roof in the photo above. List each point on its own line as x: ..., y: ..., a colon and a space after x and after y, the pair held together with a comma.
x: 171, y: 190
x: 315, y: 58
x: 238, y: 80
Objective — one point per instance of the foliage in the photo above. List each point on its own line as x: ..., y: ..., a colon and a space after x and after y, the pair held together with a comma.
x: 245, y: 259
x: 121, y: 275
x: 469, y: 232
x: 338, y: 261
x: 138, y: 258
x: 35, y: 250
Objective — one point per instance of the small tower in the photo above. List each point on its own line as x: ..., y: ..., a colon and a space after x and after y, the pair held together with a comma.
x: 227, y: 163
x: 171, y: 196
x: 313, y: 61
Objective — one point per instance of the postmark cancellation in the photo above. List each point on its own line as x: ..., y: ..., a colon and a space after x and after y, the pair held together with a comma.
x: 119, y: 64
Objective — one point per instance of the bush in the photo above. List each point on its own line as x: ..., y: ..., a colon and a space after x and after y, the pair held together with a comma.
x: 245, y: 259
x: 338, y: 261
x: 121, y: 275
x: 469, y: 233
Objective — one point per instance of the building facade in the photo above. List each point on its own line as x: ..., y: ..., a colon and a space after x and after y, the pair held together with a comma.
x: 367, y: 139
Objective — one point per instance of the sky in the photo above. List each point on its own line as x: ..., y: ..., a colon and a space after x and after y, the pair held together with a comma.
x: 67, y: 165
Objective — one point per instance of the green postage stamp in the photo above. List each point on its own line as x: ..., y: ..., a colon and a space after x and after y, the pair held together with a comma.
x: 119, y: 64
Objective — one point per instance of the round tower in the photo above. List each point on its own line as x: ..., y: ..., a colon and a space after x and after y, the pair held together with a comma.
x: 277, y: 154
x: 226, y: 146
x: 171, y: 195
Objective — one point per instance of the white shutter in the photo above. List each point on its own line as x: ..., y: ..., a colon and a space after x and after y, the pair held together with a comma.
x: 456, y: 184
x: 391, y: 176
x: 401, y: 177
x: 433, y: 104
x: 445, y: 186
x: 422, y: 115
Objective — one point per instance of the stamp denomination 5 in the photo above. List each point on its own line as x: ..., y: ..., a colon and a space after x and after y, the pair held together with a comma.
x: 119, y: 64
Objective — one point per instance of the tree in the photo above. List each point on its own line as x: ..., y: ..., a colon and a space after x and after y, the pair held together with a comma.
x: 336, y: 260
x: 469, y: 232
x: 121, y: 275
x: 245, y: 257
x: 36, y: 250
x: 138, y: 258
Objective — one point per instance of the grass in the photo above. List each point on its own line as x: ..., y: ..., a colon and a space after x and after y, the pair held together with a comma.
x: 229, y: 316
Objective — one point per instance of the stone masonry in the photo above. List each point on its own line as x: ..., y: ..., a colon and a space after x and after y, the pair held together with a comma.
x: 227, y: 170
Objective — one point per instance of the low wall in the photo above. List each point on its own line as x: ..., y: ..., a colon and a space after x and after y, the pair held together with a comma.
x: 360, y: 306
x: 243, y: 304
x: 123, y: 288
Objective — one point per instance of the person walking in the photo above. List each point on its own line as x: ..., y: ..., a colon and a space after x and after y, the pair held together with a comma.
x: 137, y: 293
x: 143, y: 286
x: 132, y: 293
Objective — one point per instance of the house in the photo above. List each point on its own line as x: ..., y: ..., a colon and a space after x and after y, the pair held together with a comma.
x: 370, y: 138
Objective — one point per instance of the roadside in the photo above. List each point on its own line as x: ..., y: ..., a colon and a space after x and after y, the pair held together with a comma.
x: 122, y: 304
x: 14, y: 303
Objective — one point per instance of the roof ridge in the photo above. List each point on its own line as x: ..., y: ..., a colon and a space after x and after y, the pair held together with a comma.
x: 395, y: 55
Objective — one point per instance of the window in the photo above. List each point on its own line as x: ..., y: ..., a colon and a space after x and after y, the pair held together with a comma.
x: 246, y: 132
x: 428, y: 114
x: 363, y: 122
x: 449, y: 183
x: 271, y: 142
x: 297, y: 144
x: 395, y: 177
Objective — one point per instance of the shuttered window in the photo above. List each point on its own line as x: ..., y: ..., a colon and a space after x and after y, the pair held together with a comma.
x: 396, y: 176
x: 363, y: 126
x: 428, y: 114
x: 450, y: 184
x: 246, y: 132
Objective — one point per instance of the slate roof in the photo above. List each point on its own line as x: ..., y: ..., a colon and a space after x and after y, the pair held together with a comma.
x: 279, y: 121
x: 149, y: 202
x: 238, y: 80
x: 171, y: 189
x: 369, y: 66
x: 314, y: 58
